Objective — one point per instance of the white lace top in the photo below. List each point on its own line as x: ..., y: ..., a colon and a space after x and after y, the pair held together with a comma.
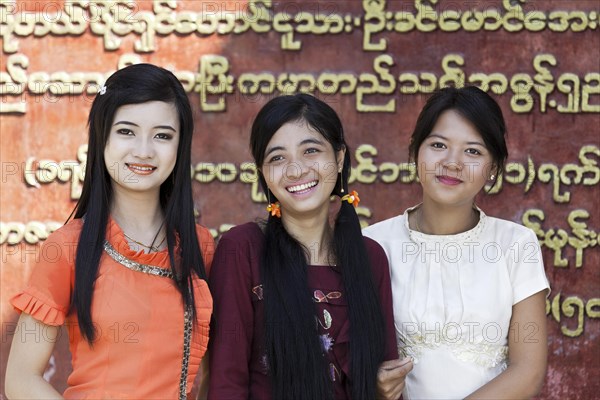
x: 453, y: 298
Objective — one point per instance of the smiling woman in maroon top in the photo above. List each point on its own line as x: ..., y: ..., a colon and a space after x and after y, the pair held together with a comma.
x: 302, y: 305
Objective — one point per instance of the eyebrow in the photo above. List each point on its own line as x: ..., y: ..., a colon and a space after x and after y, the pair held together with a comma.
x: 305, y: 141
x: 169, y: 127
x: 272, y: 149
x: 445, y: 138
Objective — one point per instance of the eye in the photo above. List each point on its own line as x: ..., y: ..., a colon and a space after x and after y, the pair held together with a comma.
x: 474, y: 152
x: 125, y: 131
x: 312, y: 150
x: 438, y: 145
x: 275, y: 158
x: 164, y: 136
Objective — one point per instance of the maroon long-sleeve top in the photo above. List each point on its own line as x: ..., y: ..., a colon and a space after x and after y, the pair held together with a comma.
x: 238, y: 367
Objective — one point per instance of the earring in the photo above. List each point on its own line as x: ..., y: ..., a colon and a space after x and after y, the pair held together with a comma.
x: 352, y: 198
x: 273, y: 208
x: 492, y: 177
x: 341, y: 181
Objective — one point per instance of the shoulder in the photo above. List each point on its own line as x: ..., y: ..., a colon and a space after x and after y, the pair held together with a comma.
x: 377, y: 256
x: 207, y: 246
x: 505, y: 230
x: 204, y: 235
x: 386, y: 228
x: 373, y: 248
x: 242, y: 235
x: 237, y: 255
x: 66, y: 234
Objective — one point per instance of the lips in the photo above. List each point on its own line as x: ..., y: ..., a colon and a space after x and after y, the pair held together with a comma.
x: 303, y: 187
x: 141, y: 169
x: 448, y: 180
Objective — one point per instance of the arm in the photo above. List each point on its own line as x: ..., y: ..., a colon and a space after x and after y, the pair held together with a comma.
x: 203, y: 377
x: 393, y: 371
x: 527, y: 352
x: 28, y: 358
x: 231, y: 339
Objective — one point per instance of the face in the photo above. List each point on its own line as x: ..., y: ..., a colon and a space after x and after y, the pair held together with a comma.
x: 141, y: 150
x: 301, y: 169
x: 453, y: 162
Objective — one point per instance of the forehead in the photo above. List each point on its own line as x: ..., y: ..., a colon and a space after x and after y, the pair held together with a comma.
x: 453, y: 126
x: 293, y: 133
x: 151, y: 113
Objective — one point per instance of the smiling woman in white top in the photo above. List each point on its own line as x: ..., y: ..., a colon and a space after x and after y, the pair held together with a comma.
x: 469, y: 290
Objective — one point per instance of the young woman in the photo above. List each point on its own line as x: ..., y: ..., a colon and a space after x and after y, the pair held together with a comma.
x: 126, y: 275
x: 302, y: 306
x: 468, y: 290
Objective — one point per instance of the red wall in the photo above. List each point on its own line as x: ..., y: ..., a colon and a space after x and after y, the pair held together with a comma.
x: 542, y: 58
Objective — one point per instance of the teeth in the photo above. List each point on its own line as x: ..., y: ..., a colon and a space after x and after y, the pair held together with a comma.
x: 141, y: 168
x: 304, y: 186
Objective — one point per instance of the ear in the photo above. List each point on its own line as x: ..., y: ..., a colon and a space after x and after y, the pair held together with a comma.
x: 493, y: 172
x: 340, y: 158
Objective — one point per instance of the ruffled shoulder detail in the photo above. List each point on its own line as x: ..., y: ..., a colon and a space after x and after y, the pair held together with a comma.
x: 38, y: 309
x: 207, y: 246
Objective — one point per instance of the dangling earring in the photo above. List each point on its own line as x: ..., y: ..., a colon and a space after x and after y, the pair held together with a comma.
x: 341, y: 181
x: 273, y: 208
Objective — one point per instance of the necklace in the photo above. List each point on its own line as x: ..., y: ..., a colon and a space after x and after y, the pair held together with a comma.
x: 151, y: 248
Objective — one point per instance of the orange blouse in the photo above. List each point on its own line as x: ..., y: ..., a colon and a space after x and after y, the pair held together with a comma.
x: 138, y: 312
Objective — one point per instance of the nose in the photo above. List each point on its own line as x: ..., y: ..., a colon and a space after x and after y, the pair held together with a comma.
x: 143, y: 148
x: 453, y: 161
x: 296, y: 169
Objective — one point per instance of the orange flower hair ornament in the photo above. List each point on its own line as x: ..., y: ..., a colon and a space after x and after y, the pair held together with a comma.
x: 352, y: 198
x: 274, y: 209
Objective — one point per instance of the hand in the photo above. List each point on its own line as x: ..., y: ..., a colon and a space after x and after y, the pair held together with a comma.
x: 390, y: 378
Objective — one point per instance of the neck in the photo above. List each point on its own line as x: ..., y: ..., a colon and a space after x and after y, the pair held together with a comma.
x: 314, y: 233
x: 436, y: 219
x: 138, y: 214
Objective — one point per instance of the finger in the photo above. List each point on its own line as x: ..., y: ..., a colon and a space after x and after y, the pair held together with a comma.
x: 395, y: 374
x: 393, y: 364
x: 406, y: 368
x: 390, y: 364
x: 406, y: 360
x: 397, y: 392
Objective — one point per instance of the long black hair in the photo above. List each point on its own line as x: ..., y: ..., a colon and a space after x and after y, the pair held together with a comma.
x: 474, y: 105
x: 294, y: 352
x: 135, y: 84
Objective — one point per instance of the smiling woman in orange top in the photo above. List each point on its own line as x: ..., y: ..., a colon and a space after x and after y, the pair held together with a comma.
x: 128, y: 273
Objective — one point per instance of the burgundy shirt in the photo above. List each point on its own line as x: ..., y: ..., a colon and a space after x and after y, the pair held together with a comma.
x: 238, y: 367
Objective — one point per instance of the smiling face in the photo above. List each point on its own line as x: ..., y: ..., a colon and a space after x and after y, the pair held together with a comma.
x: 453, y: 162
x: 141, y: 149
x: 300, y: 168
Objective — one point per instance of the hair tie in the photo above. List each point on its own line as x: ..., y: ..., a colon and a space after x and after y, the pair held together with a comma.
x: 274, y: 209
x: 352, y: 198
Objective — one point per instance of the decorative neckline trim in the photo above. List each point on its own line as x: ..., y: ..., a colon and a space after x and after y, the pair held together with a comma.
x: 471, y: 234
x: 135, y: 266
